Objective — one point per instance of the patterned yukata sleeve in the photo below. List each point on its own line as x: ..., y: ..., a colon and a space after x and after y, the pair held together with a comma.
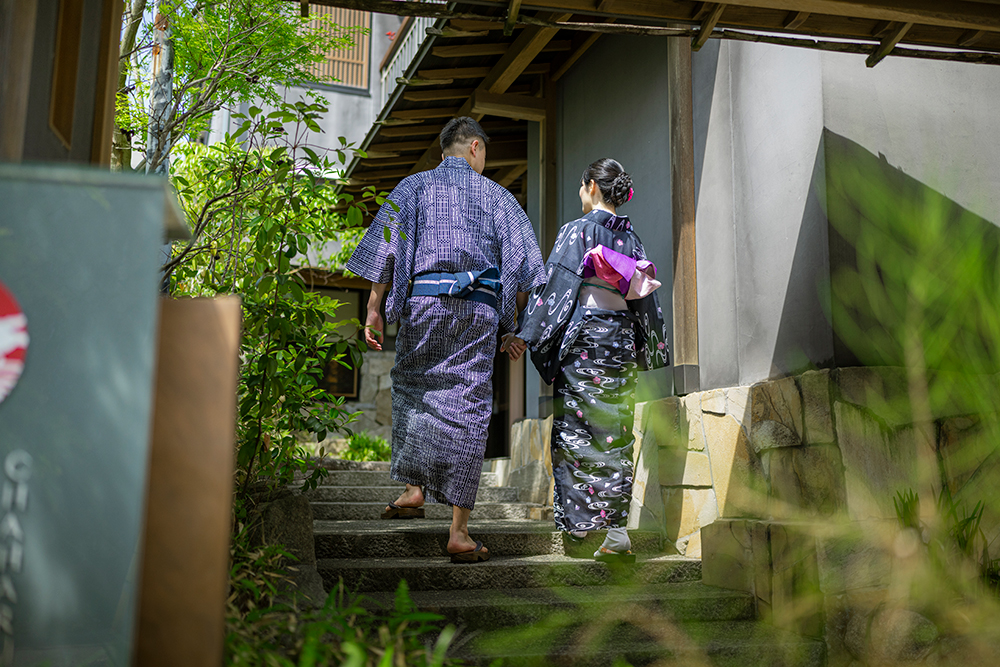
x: 551, y: 306
x: 521, y: 266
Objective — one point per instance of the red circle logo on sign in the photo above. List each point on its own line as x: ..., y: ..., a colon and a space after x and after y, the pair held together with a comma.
x: 13, y: 341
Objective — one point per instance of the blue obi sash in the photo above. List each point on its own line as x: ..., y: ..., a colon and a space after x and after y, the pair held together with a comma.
x: 481, y: 286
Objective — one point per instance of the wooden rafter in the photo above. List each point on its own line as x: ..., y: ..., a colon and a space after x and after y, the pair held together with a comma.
x: 571, y: 59
x: 511, y: 65
x: 452, y: 73
x: 466, y: 50
x: 896, y: 33
x: 795, y: 20
x: 512, y: 11
x: 438, y: 94
x: 966, y: 14
x: 519, y: 107
x: 398, y: 146
x: 970, y: 37
x: 449, y: 32
x: 424, y: 114
x: 508, y: 175
x: 707, y: 26
x: 605, y: 5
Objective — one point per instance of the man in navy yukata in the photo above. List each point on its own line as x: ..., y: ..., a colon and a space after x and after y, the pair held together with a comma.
x: 461, y: 258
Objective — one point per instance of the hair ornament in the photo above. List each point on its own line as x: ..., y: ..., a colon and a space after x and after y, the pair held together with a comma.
x: 630, y: 193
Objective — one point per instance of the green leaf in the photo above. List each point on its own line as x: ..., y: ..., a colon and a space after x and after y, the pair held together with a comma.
x: 354, y: 218
x: 387, y: 234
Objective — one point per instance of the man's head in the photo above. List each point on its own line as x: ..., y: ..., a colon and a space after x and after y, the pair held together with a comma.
x: 464, y: 137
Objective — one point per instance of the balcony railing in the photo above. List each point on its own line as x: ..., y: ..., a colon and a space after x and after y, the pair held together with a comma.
x: 404, y: 53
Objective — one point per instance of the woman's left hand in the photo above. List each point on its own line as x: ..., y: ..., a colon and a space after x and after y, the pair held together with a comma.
x: 513, y: 346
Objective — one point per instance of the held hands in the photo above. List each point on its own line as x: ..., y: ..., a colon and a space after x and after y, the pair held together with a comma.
x: 373, y: 329
x: 513, y: 346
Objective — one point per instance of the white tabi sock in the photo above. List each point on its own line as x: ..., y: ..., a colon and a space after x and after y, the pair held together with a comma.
x: 617, y: 540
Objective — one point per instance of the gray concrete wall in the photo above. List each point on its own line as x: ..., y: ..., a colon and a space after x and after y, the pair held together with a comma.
x: 613, y: 103
x: 763, y: 250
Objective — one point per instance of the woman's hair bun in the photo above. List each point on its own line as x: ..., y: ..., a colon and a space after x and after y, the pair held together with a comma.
x: 621, y: 189
x: 610, y: 176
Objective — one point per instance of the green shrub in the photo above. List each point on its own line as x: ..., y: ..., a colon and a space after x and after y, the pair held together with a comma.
x: 365, y: 447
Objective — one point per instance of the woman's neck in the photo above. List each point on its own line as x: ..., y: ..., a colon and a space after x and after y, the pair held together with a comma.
x: 603, y: 206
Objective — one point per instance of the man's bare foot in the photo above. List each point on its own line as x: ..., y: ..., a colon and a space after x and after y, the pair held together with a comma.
x: 459, y: 542
x: 412, y: 496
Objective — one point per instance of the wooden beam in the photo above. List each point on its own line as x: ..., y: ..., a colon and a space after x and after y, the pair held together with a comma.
x: 436, y: 95
x: 398, y: 146
x: 471, y: 50
x: 378, y: 176
x: 519, y: 107
x: 423, y: 114
x: 796, y: 19
x: 707, y: 26
x: 682, y: 177
x: 505, y: 162
x: 304, y: 8
x: 512, y: 11
x: 511, y: 65
x: 703, y: 10
x: 469, y: 25
x: 881, y: 29
x: 16, y: 48
x: 957, y: 14
x: 888, y: 43
x: 571, y: 59
x: 510, y: 174
x: 448, y: 32
x: 970, y: 37
x: 390, y: 162
x: 473, y: 72
x: 409, y: 130
x: 605, y: 5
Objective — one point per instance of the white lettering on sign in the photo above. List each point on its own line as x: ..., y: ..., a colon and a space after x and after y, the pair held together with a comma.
x: 13, y: 500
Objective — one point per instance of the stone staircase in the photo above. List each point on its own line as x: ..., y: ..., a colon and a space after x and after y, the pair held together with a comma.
x: 656, y: 610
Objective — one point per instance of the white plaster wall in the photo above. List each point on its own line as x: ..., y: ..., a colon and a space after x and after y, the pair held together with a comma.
x: 761, y: 236
x: 763, y: 251
x: 937, y: 121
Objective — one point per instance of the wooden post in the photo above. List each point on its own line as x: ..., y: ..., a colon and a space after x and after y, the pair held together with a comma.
x: 548, y: 207
x: 685, y: 281
x: 107, y: 83
x: 17, y: 41
x: 550, y: 173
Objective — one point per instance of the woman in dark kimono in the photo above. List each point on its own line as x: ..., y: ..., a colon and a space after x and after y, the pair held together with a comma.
x: 591, y: 327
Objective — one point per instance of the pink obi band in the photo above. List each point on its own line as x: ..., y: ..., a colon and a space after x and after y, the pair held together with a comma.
x: 635, y: 279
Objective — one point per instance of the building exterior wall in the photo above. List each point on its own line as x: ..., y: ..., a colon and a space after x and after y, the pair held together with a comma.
x: 609, y: 107
x: 763, y: 249
x: 351, y: 110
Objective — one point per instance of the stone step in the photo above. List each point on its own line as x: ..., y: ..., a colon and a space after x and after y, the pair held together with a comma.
x: 381, y: 478
x: 428, y: 537
x: 492, y: 609
x: 361, y: 511
x: 366, y: 575
x: 721, y: 644
x: 380, y: 494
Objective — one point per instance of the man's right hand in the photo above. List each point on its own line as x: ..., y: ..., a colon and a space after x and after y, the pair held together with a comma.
x: 373, y: 330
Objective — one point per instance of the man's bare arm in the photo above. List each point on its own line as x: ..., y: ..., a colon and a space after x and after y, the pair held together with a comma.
x: 374, y: 326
